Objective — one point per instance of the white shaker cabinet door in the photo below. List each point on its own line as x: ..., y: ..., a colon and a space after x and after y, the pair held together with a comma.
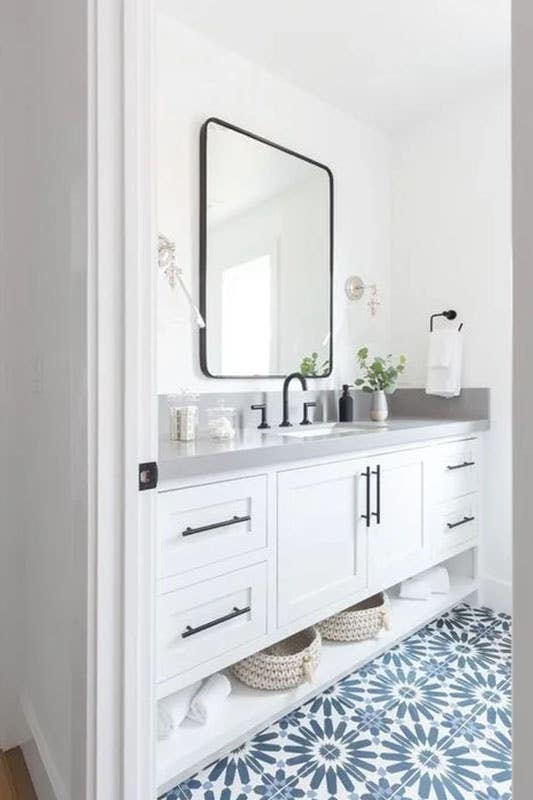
x: 398, y: 544
x: 322, y: 538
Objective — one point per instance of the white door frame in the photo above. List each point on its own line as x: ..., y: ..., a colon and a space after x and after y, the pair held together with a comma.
x: 122, y: 401
x: 140, y: 401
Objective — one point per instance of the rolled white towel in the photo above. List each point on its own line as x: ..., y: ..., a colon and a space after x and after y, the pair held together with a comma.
x: 172, y: 710
x: 439, y: 579
x: 209, y: 700
x: 417, y: 588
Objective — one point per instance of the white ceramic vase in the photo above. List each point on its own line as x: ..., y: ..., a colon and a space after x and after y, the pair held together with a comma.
x: 380, y: 407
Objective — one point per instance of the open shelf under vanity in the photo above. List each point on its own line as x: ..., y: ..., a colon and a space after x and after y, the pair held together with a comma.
x: 250, y: 710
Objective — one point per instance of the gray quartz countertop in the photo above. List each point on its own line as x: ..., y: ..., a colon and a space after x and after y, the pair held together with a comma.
x: 251, y: 448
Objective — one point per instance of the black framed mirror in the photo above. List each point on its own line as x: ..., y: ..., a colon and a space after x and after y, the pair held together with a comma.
x: 266, y: 257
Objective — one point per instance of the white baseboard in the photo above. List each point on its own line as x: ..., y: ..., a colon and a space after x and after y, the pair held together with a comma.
x: 46, y: 778
x: 39, y: 777
x: 496, y: 594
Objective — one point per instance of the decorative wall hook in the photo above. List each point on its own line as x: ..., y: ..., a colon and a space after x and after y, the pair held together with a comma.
x: 166, y: 250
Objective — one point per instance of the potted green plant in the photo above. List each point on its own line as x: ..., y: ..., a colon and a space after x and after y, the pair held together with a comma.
x: 379, y: 376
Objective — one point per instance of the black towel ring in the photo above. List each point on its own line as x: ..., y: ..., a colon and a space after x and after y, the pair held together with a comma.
x: 451, y: 314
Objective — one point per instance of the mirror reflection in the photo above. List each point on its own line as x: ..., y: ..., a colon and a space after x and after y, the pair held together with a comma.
x: 266, y: 258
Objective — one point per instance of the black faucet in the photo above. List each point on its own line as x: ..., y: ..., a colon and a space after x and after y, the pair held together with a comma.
x: 286, y: 382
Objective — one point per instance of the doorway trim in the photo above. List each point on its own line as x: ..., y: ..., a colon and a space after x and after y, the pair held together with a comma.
x: 122, y: 403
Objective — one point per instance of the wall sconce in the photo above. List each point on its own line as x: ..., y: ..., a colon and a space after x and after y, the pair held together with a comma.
x: 355, y: 289
x: 166, y: 250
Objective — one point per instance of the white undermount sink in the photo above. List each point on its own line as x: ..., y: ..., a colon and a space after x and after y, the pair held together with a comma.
x: 332, y: 429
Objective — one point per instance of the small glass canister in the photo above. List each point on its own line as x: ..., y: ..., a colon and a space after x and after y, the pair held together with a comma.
x: 183, y: 417
x: 188, y: 417
x: 221, y: 421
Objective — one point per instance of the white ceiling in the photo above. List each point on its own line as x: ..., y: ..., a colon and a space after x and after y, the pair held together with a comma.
x: 385, y: 61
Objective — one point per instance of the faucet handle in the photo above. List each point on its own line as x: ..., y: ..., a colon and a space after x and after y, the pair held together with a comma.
x: 263, y: 409
x: 307, y: 406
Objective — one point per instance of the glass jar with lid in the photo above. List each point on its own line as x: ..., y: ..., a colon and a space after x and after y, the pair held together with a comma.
x: 221, y: 421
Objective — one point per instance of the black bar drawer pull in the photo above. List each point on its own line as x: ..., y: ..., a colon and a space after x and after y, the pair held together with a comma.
x: 377, y: 512
x: 461, y: 522
x: 460, y: 466
x: 237, y: 612
x: 224, y: 524
x: 366, y: 474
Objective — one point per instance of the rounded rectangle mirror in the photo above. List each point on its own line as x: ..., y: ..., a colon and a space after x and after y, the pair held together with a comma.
x: 266, y: 257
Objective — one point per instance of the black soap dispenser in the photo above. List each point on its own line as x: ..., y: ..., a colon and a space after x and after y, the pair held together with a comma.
x: 345, y: 405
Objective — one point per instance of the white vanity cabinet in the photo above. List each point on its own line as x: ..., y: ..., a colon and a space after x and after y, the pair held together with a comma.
x: 327, y: 533
x: 246, y: 559
x: 322, y: 538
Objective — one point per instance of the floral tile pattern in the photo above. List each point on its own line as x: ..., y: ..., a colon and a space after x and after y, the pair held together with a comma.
x: 430, y: 719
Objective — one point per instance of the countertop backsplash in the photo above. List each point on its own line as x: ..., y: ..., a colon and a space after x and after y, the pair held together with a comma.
x: 473, y: 403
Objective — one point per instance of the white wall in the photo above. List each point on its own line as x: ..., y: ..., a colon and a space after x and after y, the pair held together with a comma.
x: 451, y: 248
x: 44, y: 252
x: 198, y: 79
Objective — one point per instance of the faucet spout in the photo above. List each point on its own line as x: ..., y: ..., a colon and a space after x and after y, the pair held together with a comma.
x: 293, y: 375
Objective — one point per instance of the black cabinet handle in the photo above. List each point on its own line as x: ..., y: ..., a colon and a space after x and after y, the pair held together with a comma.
x: 237, y: 612
x: 460, y: 466
x: 223, y: 524
x: 377, y: 512
x: 461, y: 522
x: 366, y: 474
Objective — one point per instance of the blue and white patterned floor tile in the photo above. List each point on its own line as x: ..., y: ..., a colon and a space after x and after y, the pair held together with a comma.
x: 341, y: 699
x: 410, y: 652
x: 465, y: 617
x: 430, y: 719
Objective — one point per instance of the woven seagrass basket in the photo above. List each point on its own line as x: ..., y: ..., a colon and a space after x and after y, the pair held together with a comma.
x: 362, y: 621
x: 283, y: 665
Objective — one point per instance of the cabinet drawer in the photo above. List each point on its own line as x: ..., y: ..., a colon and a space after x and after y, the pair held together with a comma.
x: 207, y: 619
x: 205, y: 524
x: 456, y: 524
x: 453, y: 470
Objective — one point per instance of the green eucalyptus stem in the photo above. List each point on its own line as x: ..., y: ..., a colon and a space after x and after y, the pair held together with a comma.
x: 380, y: 373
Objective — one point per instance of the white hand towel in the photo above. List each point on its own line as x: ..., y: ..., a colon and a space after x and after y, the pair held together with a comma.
x: 444, y: 363
x: 439, y: 579
x: 417, y: 588
x: 172, y: 710
x: 441, y: 347
x: 209, y: 700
